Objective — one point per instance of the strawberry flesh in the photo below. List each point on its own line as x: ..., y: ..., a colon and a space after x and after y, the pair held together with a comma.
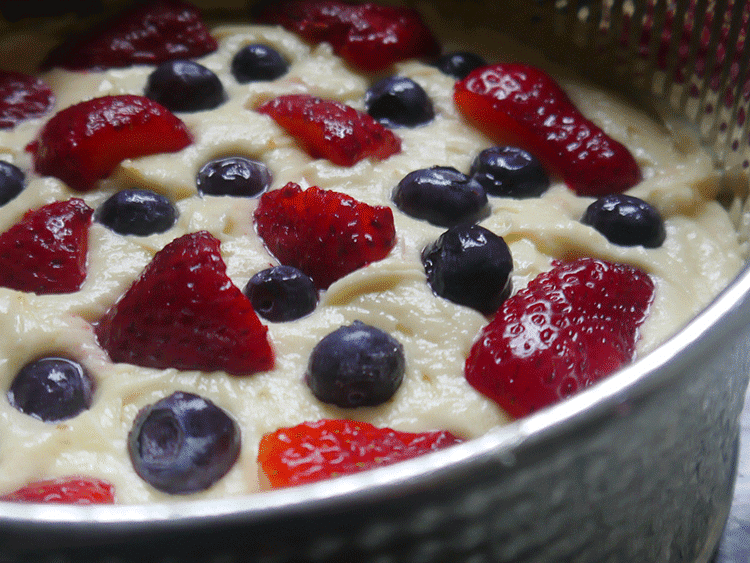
x: 22, y: 97
x: 569, y: 328
x: 65, y: 490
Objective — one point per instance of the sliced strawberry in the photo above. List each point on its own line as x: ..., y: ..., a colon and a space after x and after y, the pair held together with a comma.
x: 148, y: 33
x: 325, y: 234
x: 332, y: 130
x: 184, y: 312
x: 313, y: 451
x: 65, y: 490
x: 85, y: 142
x: 518, y: 104
x: 22, y: 97
x: 569, y: 328
x: 46, y: 251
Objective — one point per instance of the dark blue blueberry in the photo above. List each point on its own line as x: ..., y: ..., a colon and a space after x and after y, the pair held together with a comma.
x: 626, y: 221
x: 51, y: 389
x: 282, y: 293
x: 234, y: 176
x: 183, y: 443
x: 356, y: 365
x: 399, y: 101
x: 181, y: 85
x: 11, y: 182
x: 258, y: 62
x: 137, y: 212
x: 459, y: 64
x: 471, y: 266
x: 441, y: 195
x: 511, y: 172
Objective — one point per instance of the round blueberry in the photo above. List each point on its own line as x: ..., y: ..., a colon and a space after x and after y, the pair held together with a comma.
x: 137, y: 212
x: 234, y: 176
x: 282, y: 293
x: 258, y: 62
x: 399, y: 101
x: 626, y: 221
x: 459, y: 64
x: 181, y: 85
x: 11, y: 182
x: 471, y: 266
x: 183, y: 443
x: 441, y: 195
x: 511, y: 172
x: 51, y: 389
x: 356, y: 365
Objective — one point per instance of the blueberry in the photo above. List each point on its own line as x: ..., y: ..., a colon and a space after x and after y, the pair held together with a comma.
x: 459, y: 64
x: 471, y: 266
x: 183, y: 443
x: 51, y: 389
x: 11, y: 182
x: 356, y: 365
x: 137, y: 212
x: 626, y: 221
x: 258, y: 62
x: 398, y: 101
x: 234, y: 176
x: 441, y: 195
x: 282, y: 293
x: 510, y: 171
x: 181, y: 85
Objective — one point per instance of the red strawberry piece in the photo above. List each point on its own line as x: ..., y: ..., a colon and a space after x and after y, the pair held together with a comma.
x: 85, y: 142
x: 313, y: 451
x: 46, y: 251
x: 65, y: 490
x: 184, y: 312
x: 22, y: 97
x: 323, y: 233
x: 518, y: 104
x: 566, y: 330
x: 332, y: 130
x: 148, y: 33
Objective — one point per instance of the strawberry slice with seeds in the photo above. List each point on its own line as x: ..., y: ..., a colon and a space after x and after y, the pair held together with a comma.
x: 323, y: 233
x: 85, y: 142
x: 569, y: 328
x: 332, y: 130
x: 184, y: 312
x: 327, y: 448
x: 65, y: 490
x: 46, y: 251
x: 518, y: 104
x: 22, y: 97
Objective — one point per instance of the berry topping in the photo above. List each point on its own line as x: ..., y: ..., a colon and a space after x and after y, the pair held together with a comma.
x: 258, y: 62
x: 471, y: 266
x: 510, y: 172
x: 148, y: 33
x: 569, y: 328
x: 184, y: 312
x: 356, y: 366
x: 441, y: 195
x: 46, y: 251
x: 234, y: 176
x: 398, y: 101
x: 85, y: 142
x: 137, y: 212
x: 22, y: 97
x: 626, y: 220
x: 325, y: 234
x: 11, y: 181
x: 65, y: 490
x: 183, y: 444
x: 51, y: 389
x: 282, y: 293
x: 518, y: 104
x: 313, y: 451
x: 459, y: 64
x: 182, y: 85
x: 332, y: 130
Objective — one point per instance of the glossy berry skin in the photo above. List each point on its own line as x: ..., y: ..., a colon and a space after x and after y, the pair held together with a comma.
x: 257, y: 62
x: 441, y: 195
x: 398, y: 101
x: 356, y: 366
x: 22, y: 97
x: 12, y: 181
x: 183, y: 443
x: 510, y: 172
x: 233, y: 176
x: 137, y: 212
x: 184, y: 86
x: 459, y: 64
x: 626, y: 221
x: 51, y: 389
x: 471, y: 266
x: 65, y: 490
x: 282, y: 293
